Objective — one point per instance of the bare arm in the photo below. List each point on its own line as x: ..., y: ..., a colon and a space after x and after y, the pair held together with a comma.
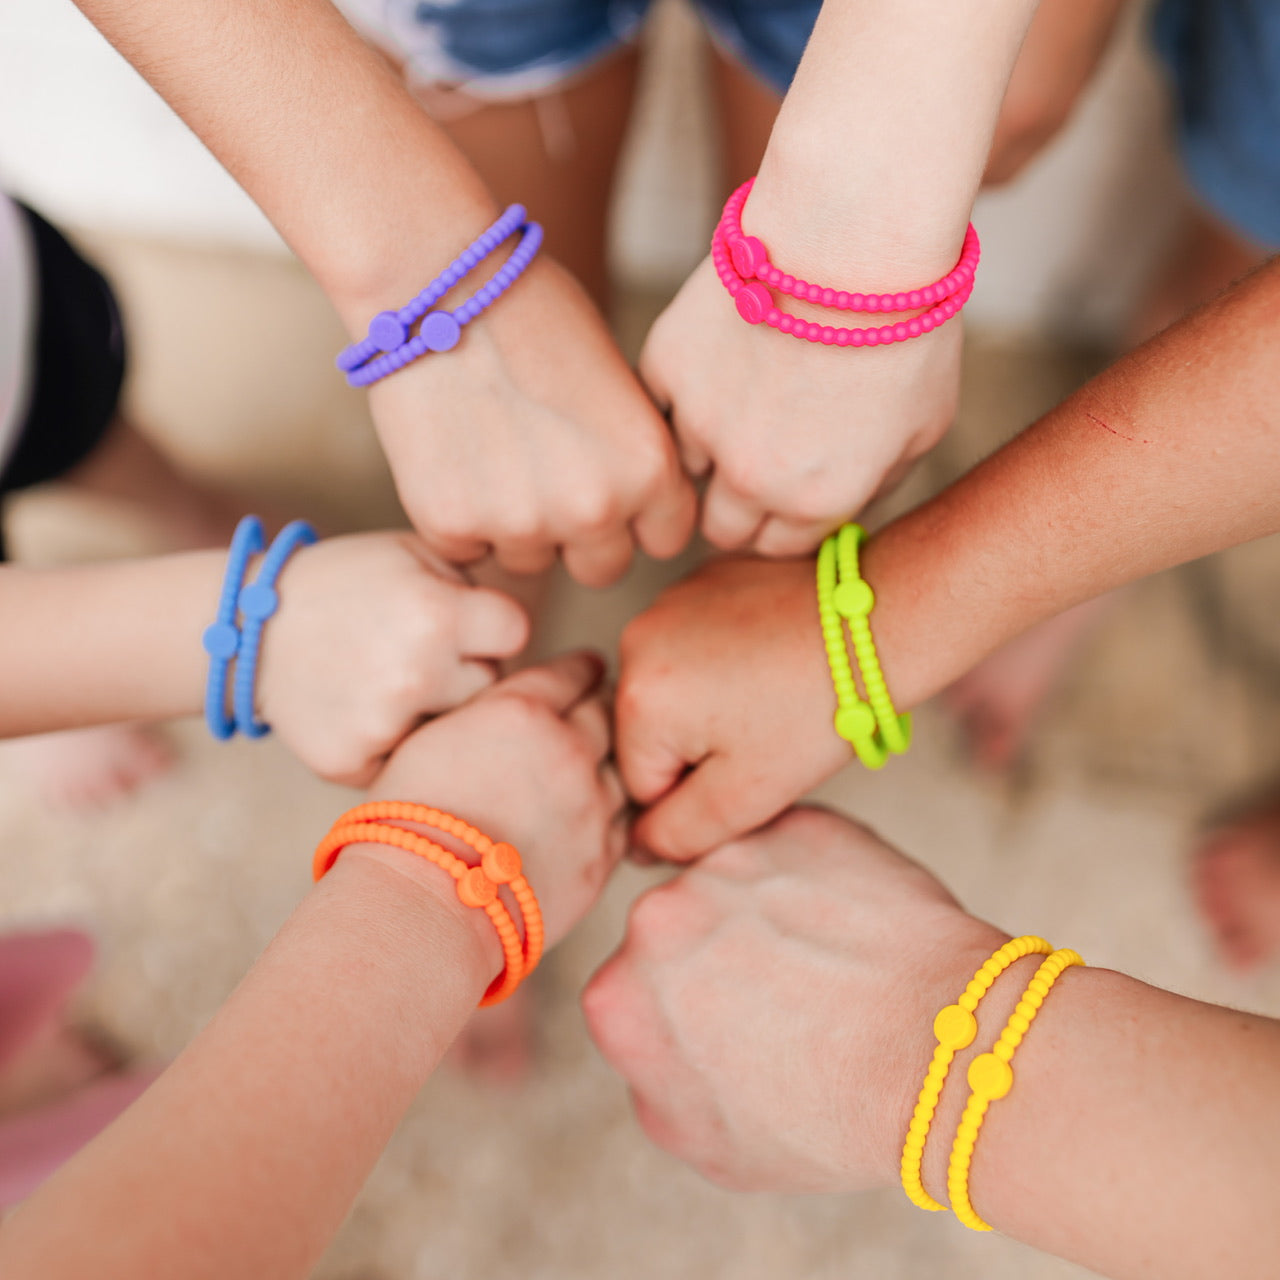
x: 531, y: 437
x: 866, y: 185
x: 370, y: 635
x: 1171, y: 454
x: 244, y: 1158
x: 886, y: 130
x: 103, y: 643
x: 1138, y: 1138
x: 319, y: 131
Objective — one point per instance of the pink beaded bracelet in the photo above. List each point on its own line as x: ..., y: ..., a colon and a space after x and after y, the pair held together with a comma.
x: 743, y: 266
x: 751, y: 260
x: 755, y: 305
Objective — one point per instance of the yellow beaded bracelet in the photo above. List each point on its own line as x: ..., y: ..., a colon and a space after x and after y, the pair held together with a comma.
x: 873, y: 728
x: 991, y: 1078
x: 955, y: 1028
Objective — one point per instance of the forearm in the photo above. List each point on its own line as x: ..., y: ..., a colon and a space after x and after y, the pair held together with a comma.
x: 318, y: 130
x: 1170, y: 455
x: 96, y: 644
x: 1137, y: 1118
x: 247, y: 1154
x: 879, y: 148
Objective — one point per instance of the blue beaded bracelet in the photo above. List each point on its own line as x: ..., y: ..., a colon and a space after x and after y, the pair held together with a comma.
x: 258, y: 601
x: 389, y: 347
x: 222, y: 637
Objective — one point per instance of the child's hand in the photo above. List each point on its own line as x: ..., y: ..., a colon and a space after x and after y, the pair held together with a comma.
x: 372, y: 634
x: 796, y: 437
x: 528, y: 762
x: 533, y: 437
x: 772, y: 1007
x: 726, y: 677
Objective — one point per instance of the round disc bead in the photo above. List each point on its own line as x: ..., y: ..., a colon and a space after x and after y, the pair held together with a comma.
x: 501, y: 863
x: 854, y: 599
x: 989, y: 1077
x: 855, y: 721
x: 747, y: 254
x: 753, y: 302
x: 221, y: 640
x: 386, y: 331
x: 955, y: 1028
x: 259, y: 601
x: 475, y: 889
x: 440, y: 331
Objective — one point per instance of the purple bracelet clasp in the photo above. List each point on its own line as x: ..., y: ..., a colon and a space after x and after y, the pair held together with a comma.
x: 391, y: 343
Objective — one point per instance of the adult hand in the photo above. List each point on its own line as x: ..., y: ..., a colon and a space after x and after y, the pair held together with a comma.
x: 533, y: 437
x: 795, y: 437
x: 528, y: 762
x: 373, y: 633
x: 725, y: 704
x: 772, y: 1007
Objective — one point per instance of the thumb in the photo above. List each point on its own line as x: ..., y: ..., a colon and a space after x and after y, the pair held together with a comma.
x: 490, y: 624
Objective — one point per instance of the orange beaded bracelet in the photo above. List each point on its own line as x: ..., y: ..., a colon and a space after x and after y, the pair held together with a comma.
x: 376, y: 823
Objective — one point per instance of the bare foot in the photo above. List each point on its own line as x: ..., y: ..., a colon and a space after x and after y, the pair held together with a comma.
x: 59, y: 1061
x: 496, y: 1045
x: 997, y: 702
x: 85, y: 769
x: 1236, y: 874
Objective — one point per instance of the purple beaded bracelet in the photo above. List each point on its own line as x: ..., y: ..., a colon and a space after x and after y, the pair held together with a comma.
x: 389, y: 346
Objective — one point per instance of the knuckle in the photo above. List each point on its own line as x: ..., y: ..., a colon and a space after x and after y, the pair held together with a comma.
x: 814, y: 503
x: 637, y: 639
x: 613, y: 1016
x: 519, y: 714
x: 743, y: 473
x: 600, y: 999
x: 452, y: 519
x: 638, y: 697
x: 665, y: 918
x: 652, y: 462
x: 521, y: 522
x: 592, y: 509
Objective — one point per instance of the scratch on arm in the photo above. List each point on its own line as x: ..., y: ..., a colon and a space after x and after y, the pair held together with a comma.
x: 1107, y: 427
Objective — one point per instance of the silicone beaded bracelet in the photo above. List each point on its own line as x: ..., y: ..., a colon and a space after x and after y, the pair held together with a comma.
x: 755, y: 305
x: 390, y: 329
x: 499, y: 861
x: 476, y: 886
x: 751, y: 261
x: 388, y: 347
x: 991, y: 1078
x: 954, y: 1028
x: 221, y: 639
x: 258, y: 602
x: 873, y: 727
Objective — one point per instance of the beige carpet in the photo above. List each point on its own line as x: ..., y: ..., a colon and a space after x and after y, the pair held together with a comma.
x: 1176, y: 706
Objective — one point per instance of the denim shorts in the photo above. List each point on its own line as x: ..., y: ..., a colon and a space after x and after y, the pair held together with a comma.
x: 1224, y: 57
x: 514, y: 48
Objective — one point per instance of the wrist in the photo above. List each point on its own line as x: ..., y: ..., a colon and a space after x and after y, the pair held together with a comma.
x: 942, y: 971
x: 424, y: 897
x: 383, y: 270
x: 835, y: 228
x: 926, y: 635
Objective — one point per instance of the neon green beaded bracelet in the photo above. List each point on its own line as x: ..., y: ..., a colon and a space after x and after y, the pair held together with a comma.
x: 873, y: 728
